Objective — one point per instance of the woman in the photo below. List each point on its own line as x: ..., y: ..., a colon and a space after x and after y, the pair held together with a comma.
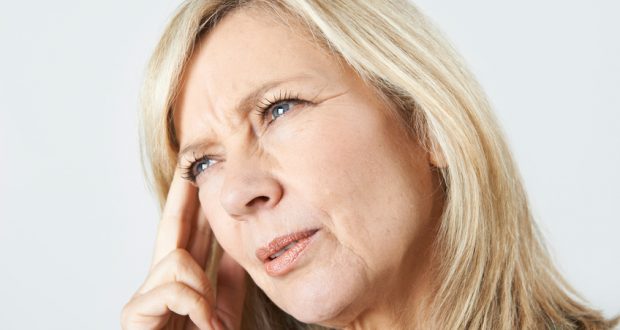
x: 344, y: 160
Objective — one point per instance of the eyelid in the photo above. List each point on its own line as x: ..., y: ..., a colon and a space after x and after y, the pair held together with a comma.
x: 266, y: 104
x: 281, y: 96
x: 190, y: 164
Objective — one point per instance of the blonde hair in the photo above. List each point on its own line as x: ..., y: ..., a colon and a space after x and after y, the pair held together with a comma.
x: 495, y: 272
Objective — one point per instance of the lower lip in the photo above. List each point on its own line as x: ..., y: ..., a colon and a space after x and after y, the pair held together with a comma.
x: 286, y: 261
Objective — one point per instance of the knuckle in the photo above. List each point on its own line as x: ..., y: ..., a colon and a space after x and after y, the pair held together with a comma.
x: 199, y: 302
x: 181, y: 265
x: 185, y: 267
x: 200, y: 306
x: 182, y: 294
x: 178, y: 261
x: 176, y: 289
x: 126, y: 313
x: 205, y: 286
x: 179, y: 256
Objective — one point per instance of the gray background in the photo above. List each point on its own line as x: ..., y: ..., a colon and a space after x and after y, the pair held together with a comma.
x: 77, y: 223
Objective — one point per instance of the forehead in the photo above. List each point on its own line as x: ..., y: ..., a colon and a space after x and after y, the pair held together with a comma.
x: 248, y: 48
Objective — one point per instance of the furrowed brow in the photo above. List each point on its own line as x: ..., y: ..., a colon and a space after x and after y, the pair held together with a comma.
x: 244, y: 105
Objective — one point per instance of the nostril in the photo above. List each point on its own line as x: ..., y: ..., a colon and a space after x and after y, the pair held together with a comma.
x: 258, y: 200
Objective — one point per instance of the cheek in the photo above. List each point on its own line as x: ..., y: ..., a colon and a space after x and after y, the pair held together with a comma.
x: 334, y: 161
x: 359, y: 173
x: 318, y: 150
x: 224, y: 228
x: 209, y: 201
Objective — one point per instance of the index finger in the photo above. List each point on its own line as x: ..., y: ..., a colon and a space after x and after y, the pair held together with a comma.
x: 175, y: 225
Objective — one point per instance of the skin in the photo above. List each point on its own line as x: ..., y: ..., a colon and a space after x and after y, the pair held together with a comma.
x: 340, y: 162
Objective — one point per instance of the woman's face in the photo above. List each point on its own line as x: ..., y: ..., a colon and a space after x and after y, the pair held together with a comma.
x: 326, y: 171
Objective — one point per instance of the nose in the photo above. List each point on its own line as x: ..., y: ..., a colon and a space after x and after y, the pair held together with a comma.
x: 247, y: 190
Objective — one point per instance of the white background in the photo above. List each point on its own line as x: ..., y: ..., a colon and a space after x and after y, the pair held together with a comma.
x: 77, y: 223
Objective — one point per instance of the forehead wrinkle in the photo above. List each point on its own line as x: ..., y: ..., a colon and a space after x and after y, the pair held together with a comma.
x: 182, y: 126
x: 240, y: 110
x: 208, y: 54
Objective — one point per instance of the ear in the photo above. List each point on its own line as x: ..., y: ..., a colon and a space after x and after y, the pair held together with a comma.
x: 436, y: 157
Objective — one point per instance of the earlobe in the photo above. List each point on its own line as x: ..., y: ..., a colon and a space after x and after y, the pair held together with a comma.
x: 437, y: 158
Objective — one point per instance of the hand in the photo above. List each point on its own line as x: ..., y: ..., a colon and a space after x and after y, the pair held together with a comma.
x: 177, y: 281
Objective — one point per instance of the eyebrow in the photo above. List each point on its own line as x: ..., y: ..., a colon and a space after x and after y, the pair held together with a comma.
x: 244, y: 105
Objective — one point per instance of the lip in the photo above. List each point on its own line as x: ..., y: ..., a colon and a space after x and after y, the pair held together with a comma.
x: 285, y: 262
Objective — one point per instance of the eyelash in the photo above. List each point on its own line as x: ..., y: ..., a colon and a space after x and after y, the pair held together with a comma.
x: 282, y: 97
x: 188, y: 170
x: 262, y: 110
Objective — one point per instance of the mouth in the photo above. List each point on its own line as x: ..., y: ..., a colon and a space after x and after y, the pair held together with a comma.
x: 281, y: 254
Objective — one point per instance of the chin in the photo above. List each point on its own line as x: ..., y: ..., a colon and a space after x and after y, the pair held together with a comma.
x: 321, y: 296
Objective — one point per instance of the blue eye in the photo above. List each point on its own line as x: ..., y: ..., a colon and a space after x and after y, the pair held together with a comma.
x: 197, y: 167
x: 272, y: 109
x: 201, y: 165
x: 279, y: 109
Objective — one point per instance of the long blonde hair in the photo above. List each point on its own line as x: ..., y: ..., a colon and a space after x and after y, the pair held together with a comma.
x: 495, y: 272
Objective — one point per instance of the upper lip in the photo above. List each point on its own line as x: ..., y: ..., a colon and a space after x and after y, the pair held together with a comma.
x: 280, y: 242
